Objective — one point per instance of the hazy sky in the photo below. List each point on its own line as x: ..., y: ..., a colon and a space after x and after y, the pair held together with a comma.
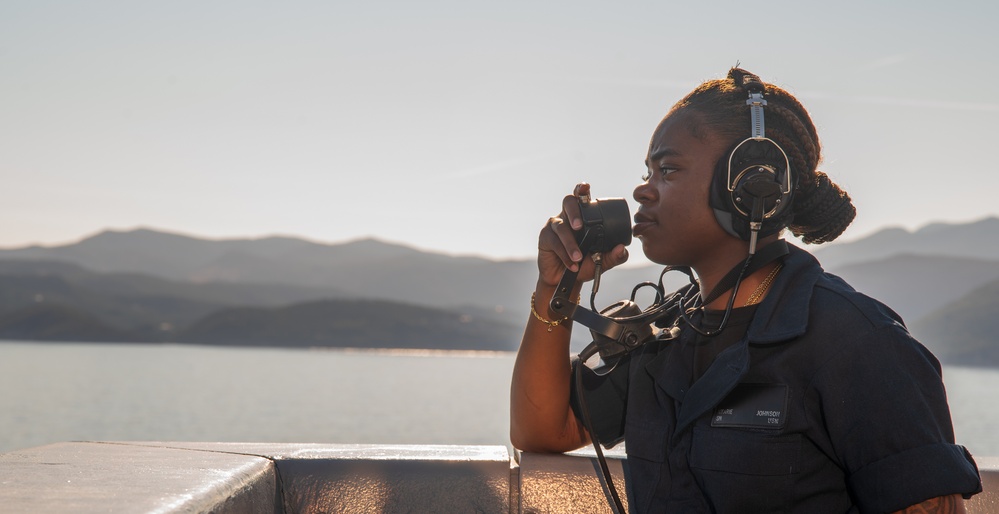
x: 458, y: 125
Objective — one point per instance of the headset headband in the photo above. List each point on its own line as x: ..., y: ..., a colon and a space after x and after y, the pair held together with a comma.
x: 755, y: 87
x: 756, y: 103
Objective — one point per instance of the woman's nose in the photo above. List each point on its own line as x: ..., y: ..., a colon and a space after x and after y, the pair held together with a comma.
x: 644, y: 193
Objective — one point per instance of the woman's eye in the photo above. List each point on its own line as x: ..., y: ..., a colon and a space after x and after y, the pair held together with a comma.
x: 666, y: 170
x: 663, y: 170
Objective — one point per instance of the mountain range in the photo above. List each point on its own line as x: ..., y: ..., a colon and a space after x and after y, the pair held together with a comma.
x: 148, y: 285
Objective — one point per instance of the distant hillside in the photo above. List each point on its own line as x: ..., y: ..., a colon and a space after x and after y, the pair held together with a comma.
x: 965, y: 332
x: 363, y: 269
x: 329, y: 323
x: 353, y: 324
x: 146, y: 308
x: 134, y: 284
x: 139, y: 308
x: 160, y: 254
x: 54, y: 322
x: 914, y: 285
x: 52, y: 301
x: 976, y: 240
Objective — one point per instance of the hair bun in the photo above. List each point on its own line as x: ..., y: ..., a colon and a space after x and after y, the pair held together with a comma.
x: 746, y: 80
x: 822, y: 211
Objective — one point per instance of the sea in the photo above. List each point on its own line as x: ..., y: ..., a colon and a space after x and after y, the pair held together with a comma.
x: 54, y: 392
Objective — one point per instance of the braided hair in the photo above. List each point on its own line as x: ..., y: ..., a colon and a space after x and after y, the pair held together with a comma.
x: 820, y: 211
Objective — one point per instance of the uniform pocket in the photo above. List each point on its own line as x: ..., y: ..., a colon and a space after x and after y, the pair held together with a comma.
x: 740, y: 451
x: 745, y: 471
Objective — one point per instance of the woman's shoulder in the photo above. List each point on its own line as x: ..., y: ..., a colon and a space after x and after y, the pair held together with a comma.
x: 848, y: 324
x: 837, y: 300
x: 832, y: 299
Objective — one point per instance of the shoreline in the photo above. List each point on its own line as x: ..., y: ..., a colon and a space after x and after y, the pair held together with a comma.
x: 410, y: 352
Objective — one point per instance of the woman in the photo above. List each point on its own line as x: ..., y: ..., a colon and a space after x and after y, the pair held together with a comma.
x: 786, y: 390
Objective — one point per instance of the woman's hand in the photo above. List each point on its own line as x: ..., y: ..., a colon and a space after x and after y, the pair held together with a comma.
x: 557, y: 247
x: 541, y: 419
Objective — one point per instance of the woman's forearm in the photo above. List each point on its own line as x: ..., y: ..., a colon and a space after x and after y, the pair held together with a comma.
x: 541, y: 419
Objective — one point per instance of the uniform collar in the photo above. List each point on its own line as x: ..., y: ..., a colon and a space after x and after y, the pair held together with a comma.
x: 783, y: 313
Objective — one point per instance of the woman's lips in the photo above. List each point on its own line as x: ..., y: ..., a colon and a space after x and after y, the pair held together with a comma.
x: 642, y: 224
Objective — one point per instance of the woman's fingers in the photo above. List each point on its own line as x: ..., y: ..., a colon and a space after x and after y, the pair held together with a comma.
x: 567, y: 240
x: 570, y: 205
x: 553, y: 240
x: 617, y: 255
x: 557, y: 245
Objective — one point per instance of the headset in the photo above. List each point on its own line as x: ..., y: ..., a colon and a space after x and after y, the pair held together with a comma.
x: 753, y: 186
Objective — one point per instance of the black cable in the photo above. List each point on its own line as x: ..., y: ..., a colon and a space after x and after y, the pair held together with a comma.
x: 753, y: 262
x: 591, y: 350
x: 728, y: 306
x: 605, y: 475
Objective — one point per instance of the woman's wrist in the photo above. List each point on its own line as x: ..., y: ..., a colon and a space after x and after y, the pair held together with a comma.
x: 551, y: 323
x: 542, y: 297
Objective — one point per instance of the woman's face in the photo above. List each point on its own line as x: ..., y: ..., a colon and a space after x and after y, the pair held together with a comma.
x: 674, y: 221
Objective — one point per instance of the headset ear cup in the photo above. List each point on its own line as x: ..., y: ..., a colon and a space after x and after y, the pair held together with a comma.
x: 757, y: 185
x: 759, y: 170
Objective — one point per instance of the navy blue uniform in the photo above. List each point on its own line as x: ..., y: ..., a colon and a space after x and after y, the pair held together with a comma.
x: 820, y: 402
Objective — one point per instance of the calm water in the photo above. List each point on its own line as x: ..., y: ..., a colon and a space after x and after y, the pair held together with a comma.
x: 72, y: 392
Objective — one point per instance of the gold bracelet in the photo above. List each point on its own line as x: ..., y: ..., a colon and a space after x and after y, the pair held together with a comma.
x: 551, y: 324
